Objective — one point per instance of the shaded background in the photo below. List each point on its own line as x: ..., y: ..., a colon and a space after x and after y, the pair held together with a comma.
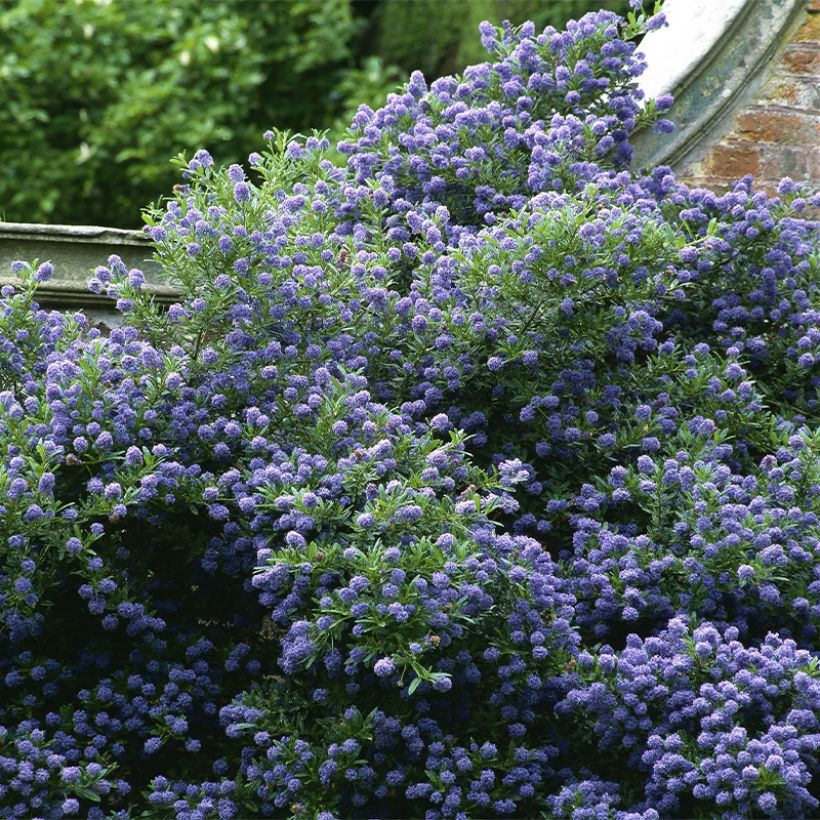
x: 97, y: 95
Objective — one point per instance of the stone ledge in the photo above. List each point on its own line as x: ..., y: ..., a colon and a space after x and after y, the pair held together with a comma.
x: 71, y: 233
x: 67, y: 294
x: 75, y: 250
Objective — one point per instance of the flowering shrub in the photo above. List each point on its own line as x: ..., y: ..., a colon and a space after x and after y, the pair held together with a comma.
x: 476, y: 478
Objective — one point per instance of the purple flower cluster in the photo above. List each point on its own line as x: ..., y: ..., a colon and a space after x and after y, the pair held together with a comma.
x: 712, y: 721
x: 343, y: 531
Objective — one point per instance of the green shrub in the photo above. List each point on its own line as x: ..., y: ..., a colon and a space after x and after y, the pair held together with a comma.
x: 96, y: 96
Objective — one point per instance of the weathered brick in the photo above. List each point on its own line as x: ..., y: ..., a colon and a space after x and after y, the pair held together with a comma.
x: 778, y: 133
x: 698, y: 181
x: 800, y: 58
x: 781, y: 161
x: 734, y: 159
x: 809, y: 32
x: 779, y: 126
x: 792, y: 92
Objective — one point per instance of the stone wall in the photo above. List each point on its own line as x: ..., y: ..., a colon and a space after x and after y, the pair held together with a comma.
x: 75, y: 250
x: 745, y: 75
x: 774, y: 131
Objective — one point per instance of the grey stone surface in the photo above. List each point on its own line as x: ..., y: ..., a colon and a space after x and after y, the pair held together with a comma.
x: 709, y: 57
x: 694, y: 30
x: 75, y: 250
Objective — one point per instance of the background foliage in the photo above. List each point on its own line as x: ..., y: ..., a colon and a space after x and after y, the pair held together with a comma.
x: 97, y: 95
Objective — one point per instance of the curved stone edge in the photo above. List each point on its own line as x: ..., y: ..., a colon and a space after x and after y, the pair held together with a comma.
x: 710, y: 57
x: 676, y: 52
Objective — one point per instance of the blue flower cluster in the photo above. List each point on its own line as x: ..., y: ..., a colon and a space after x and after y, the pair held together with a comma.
x: 477, y: 477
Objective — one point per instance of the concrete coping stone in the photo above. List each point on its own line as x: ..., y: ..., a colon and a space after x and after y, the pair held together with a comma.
x: 75, y: 250
x: 71, y: 233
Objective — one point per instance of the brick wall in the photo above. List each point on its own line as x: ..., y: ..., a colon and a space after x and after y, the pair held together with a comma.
x: 775, y: 131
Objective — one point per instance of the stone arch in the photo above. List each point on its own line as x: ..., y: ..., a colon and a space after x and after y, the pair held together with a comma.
x: 745, y: 75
